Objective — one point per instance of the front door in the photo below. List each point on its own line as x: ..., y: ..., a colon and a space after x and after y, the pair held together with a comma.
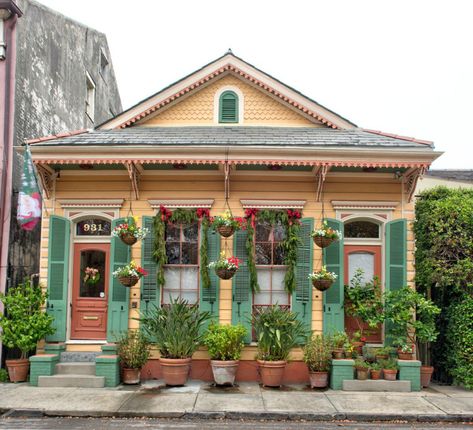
x: 367, y: 258
x: 90, y: 291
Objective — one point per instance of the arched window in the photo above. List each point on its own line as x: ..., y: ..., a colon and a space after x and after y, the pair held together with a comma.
x: 361, y: 230
x: 228, y: 107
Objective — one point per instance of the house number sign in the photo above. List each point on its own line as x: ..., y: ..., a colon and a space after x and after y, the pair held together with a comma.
x: 93, y: 227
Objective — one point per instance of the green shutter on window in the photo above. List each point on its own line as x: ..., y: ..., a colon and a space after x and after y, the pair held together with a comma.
x: 302, y: 297
x: 242, y: 298
x: 228, y: 107
x: 209, y: 296
x: 150, y: 294
x: 58, y: 275
x: 396, y: 256
x: 118, y: 295
x: 334, y: 318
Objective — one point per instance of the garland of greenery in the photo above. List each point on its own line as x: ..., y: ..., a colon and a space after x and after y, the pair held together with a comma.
x: 180, y: 216
x: 288, y: 218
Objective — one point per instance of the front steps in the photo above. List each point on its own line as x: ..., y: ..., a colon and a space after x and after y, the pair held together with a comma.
x: 72, y: 380
x: 377, y: 385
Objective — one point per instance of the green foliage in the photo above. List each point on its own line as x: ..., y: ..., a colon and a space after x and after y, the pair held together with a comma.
x: 133, y: 349
x: 375, y: 366
x: 318, y: 353
x: 250, y: 252
x: 159, y: 252
x: 204, y: 254
x: 363, y: 301
x: 389, y: 364
x: 277, y: 331
x: 361, y: 364
x: 460, y: 341
x: 4, y: 375
x: 24, y: 323
x: 225, y: 342
x: 177, y: 328
x: 339, y: 339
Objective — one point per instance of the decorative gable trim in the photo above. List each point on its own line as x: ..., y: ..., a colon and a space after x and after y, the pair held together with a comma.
x: 363, y: 205
x: 91, y: 203
x: 182, y: 203
x: 273, y: 204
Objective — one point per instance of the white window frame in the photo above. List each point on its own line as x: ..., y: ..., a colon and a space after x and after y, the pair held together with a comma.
x: 241, y: 105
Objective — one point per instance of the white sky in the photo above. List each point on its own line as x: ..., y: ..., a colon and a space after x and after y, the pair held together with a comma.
x: 403, y: 66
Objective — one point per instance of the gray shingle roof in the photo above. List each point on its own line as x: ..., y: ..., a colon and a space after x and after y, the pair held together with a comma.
x: 456, y: 175
x: 238, y: 136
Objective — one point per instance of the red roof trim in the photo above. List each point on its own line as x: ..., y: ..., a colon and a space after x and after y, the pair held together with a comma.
x: 57, y: 136
x: 218, y: 72
x: 396, y: 136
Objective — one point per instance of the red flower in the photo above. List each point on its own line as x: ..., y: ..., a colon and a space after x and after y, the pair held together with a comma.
x: 141, y: 271
x: 202, y: 213
x: 250, y: 212
x: 234, y: 260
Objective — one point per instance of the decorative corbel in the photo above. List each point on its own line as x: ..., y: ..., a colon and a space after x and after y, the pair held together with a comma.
x: 411, y: 177
x: 320, y: 174
x: 134, y: 172
x: 47, y: 176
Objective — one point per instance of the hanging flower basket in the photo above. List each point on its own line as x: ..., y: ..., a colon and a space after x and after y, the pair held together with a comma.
x: 325, y: 236
x: 225, y: 231
x: 323, y: 279
x: 225, y: 273
x: 224, y: 267
x: 130, y: 274
x: 129, y: 232
x: 128, y: 238
x: 128, y: 281
x: 226, y: 224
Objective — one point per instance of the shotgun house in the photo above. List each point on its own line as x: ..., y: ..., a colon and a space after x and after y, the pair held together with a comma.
x: 228, y: 136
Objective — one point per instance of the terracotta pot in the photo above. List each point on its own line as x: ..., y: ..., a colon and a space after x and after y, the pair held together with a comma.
x: 131, y: 376
x: 381, y: 357
x: 128, y: 281
x: 224, y: 371
x: 225, y: 273
x: 175, y: 370
x: 375, y: 374
x: 338, y: 353
x: 271, y: 372
x: 322, y: 284
x: 128, y: 238
x: 18, y: 369
x: 404, y: 355
x: 225, y: 231
x: 426, y: 375
x: 389, y: 375
x: 362, y: 374
x: 322, y: 242
x: 318, y: 379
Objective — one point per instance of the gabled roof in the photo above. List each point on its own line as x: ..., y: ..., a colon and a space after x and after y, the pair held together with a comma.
x: 226, y: 64
x: 463, y: 175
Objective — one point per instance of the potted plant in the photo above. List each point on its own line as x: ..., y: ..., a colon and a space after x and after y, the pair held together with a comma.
x: 362, y: 369
x: 178, y: 331
x: 133, y: 348
x: 224, y: 344
x: 317, y: 356
x: 325, y: 235
x: 339, y: 340
x: 405, y: 351
x: 322, y: 280
x: 375, y: 371
x: 130, y: 274
x: 226, y: 224
x: 129, y: 232
x: 390, y: 369
x: 358, y: 341
x: 277, y: 331
x: 225, y: 267
x: 383, y: 353
x: 23, y: 324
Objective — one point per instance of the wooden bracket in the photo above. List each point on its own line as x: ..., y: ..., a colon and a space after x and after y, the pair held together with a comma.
x: 134, y: 172
x: 411, y: 177
x: 47, y: 176
x: 320, y: 174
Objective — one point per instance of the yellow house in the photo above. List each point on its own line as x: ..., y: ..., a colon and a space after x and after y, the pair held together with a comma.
x: 226, y: 136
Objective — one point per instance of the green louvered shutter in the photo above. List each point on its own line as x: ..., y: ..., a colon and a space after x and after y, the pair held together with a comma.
x: 118, y: 295
x: 228, y: 109
x: 242, y: 298
x: 150, y: 294
x: 209, y: 297
x: 302, y: 297
x: 58, y: 275
x: 396, y: 257
x: 333, y: 319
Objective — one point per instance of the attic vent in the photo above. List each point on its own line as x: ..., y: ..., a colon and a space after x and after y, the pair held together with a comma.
x: 228, y: 107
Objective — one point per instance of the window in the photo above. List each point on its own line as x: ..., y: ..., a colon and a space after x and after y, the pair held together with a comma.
x: 90, y: 99
x: 361, y: 230
x: 93, y: 227
x: 103, y: 64
x: 228, y: 107
x: 182, y: 269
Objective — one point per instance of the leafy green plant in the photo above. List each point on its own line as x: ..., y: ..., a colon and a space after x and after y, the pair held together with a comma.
x: 361, y: 364
x: 389, y: 364
x: 278, y: 331
x: 225, y: 342
x: 24, y: 322
x: 176, y: 328
x: 4, y: 375
x: 385, y: 350
x: 339, y: 339
x: 318, y: 353
x: 375, y: 366
x: 133, y: 349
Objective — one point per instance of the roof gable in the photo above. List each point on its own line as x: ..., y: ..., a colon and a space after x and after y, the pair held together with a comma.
x: 224, y: 65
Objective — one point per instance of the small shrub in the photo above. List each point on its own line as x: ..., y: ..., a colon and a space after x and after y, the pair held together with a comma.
x: 225, y: 342
x: 318, y: 353
x: 339, y: 339
x: 389, y: 364
x: 133, y: 349
x: 361, y: 364
x: 4, y: 375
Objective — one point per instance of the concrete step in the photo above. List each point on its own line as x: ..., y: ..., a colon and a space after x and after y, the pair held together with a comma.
x: 377, y: 385
x: 75, y: 368
x: 89, y: 357
x: 79, y: 381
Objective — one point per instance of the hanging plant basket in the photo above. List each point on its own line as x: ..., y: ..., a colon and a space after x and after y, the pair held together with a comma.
x: 225, y: 273
x: 128, y: 238
x: 322, y: 284
x: 128, y: 281
x: 323, y: 242
x: 225, y: 231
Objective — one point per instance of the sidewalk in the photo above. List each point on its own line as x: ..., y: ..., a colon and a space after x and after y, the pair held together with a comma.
x: 247, y: 401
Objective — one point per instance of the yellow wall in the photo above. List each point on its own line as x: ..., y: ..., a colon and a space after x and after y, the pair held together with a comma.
x: 259, y: 108
x: 244, y: 185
